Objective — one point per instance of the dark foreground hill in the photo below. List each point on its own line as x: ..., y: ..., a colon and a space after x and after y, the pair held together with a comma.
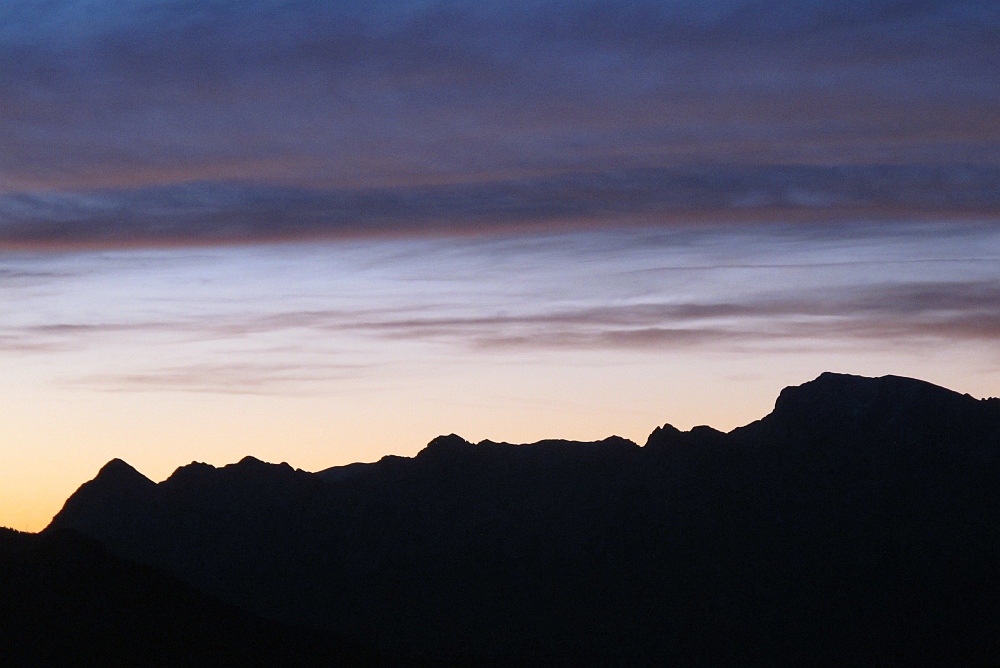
x: 857, y: 524
x: 65, y: 602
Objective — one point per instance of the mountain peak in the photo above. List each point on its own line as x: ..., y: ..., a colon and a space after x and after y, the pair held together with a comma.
x: 445, y: 446
x: 859, y: 395
x: 119, y: 472
x: 116, y: 485
x: 843, y: 406
x: 251, y: 463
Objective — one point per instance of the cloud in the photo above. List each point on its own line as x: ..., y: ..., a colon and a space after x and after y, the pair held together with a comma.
x: 210, y: 213
x: 225, y: 378
x: 312, y: 318
x: 95, y: 93
x: 242, y: 338
x: 884, y: 312
x: 915, y: 313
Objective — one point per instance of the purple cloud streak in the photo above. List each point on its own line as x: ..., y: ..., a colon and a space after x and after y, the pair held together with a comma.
x: 210, y: 213
x: 129, y: 123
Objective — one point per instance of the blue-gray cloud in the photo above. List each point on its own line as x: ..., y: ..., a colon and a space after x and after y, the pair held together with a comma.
x: 914, y: 312
x: 873, y: 316
x: 928, y: 312
x: 95, y: 93
x: 248, y: 213
x: 300, y: 318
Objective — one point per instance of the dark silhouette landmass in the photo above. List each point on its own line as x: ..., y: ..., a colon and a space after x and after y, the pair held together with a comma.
x: 64, y: 601
x: 857, y: 524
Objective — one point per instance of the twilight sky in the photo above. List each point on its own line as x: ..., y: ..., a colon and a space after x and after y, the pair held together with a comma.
x: 321, y: 232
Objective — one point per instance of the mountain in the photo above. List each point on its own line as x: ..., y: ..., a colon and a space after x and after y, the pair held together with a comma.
x: 65, y: 601
x: 857, y: 524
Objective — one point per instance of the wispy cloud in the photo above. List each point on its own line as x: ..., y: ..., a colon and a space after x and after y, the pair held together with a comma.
x: 913, y: 314
x: 254, y: 378
x: 382, y: 94
x: 208, y: 213
x: 919, y: 312
x: 316, y: 317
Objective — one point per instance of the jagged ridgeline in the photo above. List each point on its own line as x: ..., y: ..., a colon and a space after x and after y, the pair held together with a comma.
x: 857, y: 524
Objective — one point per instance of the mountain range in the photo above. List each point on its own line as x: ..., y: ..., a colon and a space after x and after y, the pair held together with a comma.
x: 856, y: 524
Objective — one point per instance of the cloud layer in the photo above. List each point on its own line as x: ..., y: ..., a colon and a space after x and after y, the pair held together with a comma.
x: 203, y: 213
x: 315, y: 317
x: 347, y: 95
x: 919, y: 314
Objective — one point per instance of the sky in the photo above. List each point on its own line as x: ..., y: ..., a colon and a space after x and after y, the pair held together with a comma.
x: 322, y: 232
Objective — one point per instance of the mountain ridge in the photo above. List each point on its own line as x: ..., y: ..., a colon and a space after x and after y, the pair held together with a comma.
x: 859, y: 508
x: 789, y: 395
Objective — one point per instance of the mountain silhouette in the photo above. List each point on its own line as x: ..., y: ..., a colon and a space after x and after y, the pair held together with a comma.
x: 65, y: 601
x: 856, y: 524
